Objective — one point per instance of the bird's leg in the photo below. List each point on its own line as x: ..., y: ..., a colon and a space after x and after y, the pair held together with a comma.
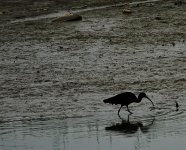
x: 120, y: 117
x: 128, y: 118
x: 128, y: 109
x: 119, y: 110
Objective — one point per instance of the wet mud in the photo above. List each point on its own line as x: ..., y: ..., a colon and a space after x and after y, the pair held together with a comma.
x: 55, y: 75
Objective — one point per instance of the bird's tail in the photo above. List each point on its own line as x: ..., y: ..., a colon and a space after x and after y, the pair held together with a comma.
x: 109, y: 100
x: 105, y: 100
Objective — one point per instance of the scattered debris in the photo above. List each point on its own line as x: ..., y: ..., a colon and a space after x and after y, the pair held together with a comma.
x: 173, y: 43
x: 3, y: 12
x: 158, y: 18
x: 177, y: 106
x: 150, y: 4
x: 127, y: 11
x: 80, y: 7
x: 68, y: 17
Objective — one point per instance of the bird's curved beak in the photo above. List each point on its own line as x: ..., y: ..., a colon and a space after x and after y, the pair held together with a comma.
x: 150, y: 101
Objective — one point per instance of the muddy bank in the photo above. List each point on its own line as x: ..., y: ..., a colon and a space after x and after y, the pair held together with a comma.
x: 54, y: 76
x: 47, y: 67
x: 17, y: 9
x: 155, y: 22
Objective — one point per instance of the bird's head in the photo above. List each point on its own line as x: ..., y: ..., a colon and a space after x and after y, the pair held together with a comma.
x: 143, y: 95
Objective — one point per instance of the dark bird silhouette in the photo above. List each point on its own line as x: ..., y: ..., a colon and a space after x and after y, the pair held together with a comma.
x: 126, y: 98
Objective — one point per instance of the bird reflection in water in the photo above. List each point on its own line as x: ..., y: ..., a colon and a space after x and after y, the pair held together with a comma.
x: 130, y: 127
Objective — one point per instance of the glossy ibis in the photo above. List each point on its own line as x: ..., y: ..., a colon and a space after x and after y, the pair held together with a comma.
x: 126, y: 98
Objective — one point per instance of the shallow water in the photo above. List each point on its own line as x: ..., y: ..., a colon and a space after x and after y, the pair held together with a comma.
x: 164, y: 130
x: 54, y: 77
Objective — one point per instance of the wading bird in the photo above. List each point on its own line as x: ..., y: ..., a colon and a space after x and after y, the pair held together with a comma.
x: 126, y: 98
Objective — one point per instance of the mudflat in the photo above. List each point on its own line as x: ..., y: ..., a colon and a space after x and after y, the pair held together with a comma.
x: 54, y: 76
